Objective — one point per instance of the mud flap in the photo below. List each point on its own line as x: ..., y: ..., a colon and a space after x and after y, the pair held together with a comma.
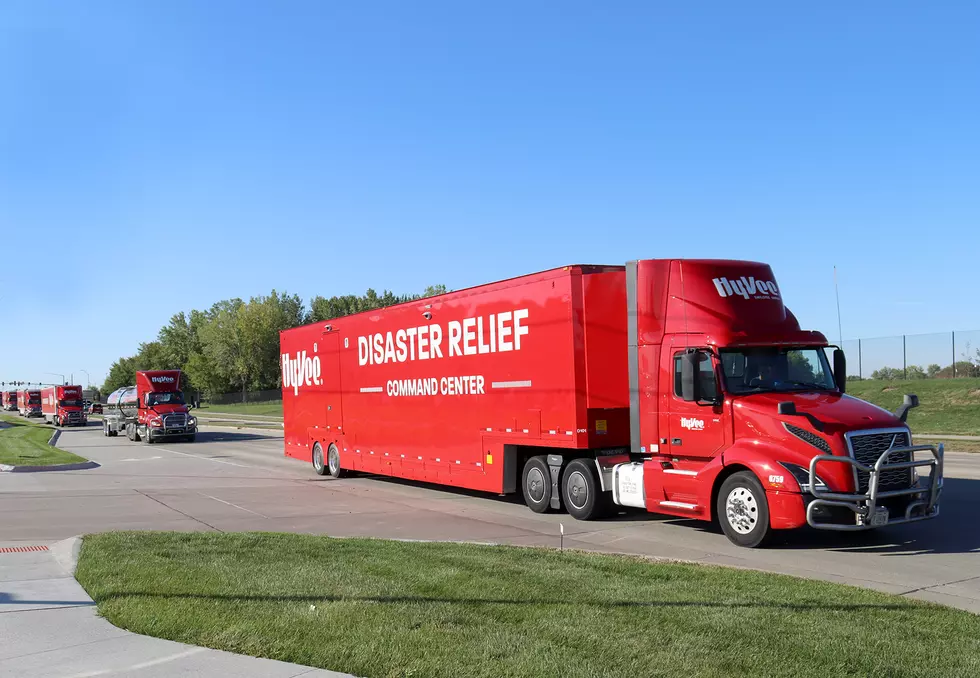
x: 554, y: 464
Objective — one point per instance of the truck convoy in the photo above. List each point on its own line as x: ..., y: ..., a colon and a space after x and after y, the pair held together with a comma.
x: 150, y: 411
x: 62, y: 406
x: 29, y: 403
x: 10, y: 401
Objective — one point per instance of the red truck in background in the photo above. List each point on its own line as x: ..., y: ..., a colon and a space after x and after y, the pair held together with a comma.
x: 150, y: 411
x: 10, y: 401
x: 29, y: 403
x: 682, y: 387
x: 62, y: 406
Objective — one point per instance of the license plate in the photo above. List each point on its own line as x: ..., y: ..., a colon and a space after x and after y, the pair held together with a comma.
x: 880, y: 517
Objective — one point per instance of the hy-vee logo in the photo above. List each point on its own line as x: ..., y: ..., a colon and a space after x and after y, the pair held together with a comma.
x: 747, y: 288
x: 303, y: 370
x: 162, y: 380
x: 692, y: 424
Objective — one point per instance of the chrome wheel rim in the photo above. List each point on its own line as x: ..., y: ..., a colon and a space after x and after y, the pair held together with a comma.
x: 317, y: 457
x: 334, y: 460
x: 742, y: 510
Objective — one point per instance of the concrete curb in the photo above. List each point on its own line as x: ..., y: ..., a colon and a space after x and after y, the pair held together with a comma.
x: 77, y: 466
x: 53, y: 440
x: 66, y: 552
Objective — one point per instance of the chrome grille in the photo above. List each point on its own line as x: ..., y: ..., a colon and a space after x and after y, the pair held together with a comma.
x: 867, y: 447
x: 176, y: 420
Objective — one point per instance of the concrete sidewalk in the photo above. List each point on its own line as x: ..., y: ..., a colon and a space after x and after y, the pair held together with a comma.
x: 50, y: 627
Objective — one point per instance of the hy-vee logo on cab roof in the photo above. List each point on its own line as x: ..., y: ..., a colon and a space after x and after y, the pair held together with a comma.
x: 162, y: 380
x: 747, y: 288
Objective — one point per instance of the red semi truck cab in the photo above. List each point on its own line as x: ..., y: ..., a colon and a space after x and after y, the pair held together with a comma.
x: 682, y: 387
x: 151, y: 411
x: 29, y: 403
x: 10, y: 401
x: 62, y: 406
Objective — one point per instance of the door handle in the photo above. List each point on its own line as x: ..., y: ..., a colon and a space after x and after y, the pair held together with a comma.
x: 675, y: 441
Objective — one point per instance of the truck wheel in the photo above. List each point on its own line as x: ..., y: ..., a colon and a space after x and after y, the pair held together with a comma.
x: 537, y: 484
x: 147, y: 438
x: 743, y: 510
x: 333, y: 462
x: 581, y: 492
x: 318, y: 465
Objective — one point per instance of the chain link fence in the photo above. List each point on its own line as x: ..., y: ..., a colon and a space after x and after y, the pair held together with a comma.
x: 940, y: 355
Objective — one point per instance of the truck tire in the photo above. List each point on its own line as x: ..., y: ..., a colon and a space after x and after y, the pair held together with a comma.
x: 318, y: 463
x: 743, y: 510
x: 536, y: 484
x: 147, y: 438
x: 333, y: 462
x: 581, y: 491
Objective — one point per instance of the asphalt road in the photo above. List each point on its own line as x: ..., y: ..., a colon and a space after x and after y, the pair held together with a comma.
x: 234, y: 480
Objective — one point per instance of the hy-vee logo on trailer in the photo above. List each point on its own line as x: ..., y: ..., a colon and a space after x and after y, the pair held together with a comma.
x: 302, y: 370
x: 747, y: 288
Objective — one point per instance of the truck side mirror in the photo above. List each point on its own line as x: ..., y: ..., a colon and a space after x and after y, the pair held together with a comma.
x: 840, y: 370
x: 690, y: 383
x: 908, y: 402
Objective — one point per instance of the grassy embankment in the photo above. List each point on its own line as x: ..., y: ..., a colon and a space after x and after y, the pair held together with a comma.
x: 268, y: 409
x: 25, y: 443
x: 378, y: 608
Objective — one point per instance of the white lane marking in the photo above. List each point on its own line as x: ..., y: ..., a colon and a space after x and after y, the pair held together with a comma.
x: 141, y: 459
x: 261, y: 515
x: 372, y: 389
x: 216, y: 461
x: 142, y: 665
x: 511, y: 384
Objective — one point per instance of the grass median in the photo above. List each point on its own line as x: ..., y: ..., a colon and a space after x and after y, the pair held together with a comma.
x: 378, y: 608
x: 24, y: 443
x: 266, y: 409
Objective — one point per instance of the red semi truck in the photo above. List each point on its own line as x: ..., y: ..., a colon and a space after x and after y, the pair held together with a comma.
x: 29, y: 403
x: 150, y: 411
x: 682, y: 387
x: 10, y: 401
x: 62, y: 406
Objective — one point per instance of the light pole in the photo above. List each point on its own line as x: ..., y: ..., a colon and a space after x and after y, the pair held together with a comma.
x: 88, y: 379
x: 56, y: 374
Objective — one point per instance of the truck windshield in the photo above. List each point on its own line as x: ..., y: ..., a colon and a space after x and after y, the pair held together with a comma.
x: 70, y: 403
x: 34, y: 400
x: 759, y: 370
x: 165, y: 398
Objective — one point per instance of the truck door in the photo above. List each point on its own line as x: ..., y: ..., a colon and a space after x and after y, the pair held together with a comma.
x: 694, y: 430
x: 333, y: 405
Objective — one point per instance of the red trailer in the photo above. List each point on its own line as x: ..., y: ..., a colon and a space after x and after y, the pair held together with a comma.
x: 29, y: 403
x: 680, y: 387
x: 10, y: 401
x: 62, y: 406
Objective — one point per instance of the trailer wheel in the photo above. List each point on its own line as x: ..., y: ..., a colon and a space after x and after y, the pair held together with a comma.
x: 581, y: 492
x: 318, y: 465
x: 333, y: 462
x: 743, y: 510
x: 537, y: 484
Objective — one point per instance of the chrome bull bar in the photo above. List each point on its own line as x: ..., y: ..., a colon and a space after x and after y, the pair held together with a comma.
x: 865, y: 506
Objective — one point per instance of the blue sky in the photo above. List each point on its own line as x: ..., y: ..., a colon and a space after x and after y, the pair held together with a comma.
x: 168, y: 154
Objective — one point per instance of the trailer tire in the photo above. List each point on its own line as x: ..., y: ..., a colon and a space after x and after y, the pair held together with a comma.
x: 536, y: 484
x: 581, y: 492
x: 333, y: 462
x: 318, y: 465
x: 743, y: 510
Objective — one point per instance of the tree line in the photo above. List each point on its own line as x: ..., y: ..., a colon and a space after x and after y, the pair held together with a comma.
x: 234, y: 345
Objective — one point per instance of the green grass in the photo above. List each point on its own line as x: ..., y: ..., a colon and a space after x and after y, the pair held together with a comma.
x: 267, y: 409
x: 26, y: 444
x: 945, y: 405
x: 379, y: 609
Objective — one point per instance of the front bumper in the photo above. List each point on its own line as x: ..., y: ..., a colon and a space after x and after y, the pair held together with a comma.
x: 34, y: 413
x: 176, y: 432
x: 874, y: 508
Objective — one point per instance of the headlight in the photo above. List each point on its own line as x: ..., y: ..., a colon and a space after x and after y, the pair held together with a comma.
x: 155, y: 422
x: 802, y: 476
x: 191, y: 421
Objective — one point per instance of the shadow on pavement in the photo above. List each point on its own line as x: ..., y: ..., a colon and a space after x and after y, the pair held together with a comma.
x: 231, y: 436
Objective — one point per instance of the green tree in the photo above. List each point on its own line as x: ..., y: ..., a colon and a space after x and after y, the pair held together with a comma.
x: 933, y: 370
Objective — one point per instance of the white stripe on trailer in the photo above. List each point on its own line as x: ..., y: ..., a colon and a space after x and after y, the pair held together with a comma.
x: 511, y: 384
x: 372, y: 389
